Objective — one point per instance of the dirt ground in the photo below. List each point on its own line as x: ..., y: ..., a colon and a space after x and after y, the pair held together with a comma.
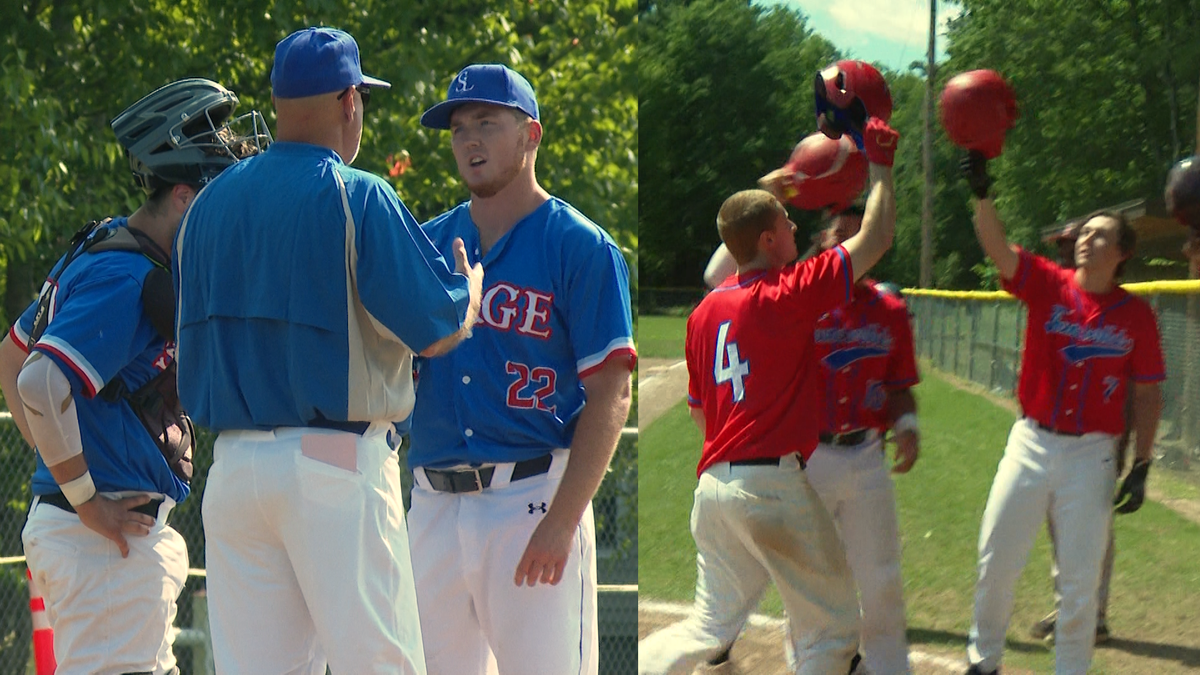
x: 759, y: 651
x: 662, y: 382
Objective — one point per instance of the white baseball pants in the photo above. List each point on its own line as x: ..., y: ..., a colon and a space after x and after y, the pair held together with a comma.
x: 1042, y: 474
x: 855, y: 487
x: 1105, y: 572
x: 754, y: 525
x: 110, y: 615
x: 474, y: 619
x: 307, y: 553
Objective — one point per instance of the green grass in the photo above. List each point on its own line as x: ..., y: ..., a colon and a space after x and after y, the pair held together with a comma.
x: 661, y: 336
x: 940, y: 503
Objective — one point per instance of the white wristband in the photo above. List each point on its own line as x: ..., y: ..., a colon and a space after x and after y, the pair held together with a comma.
x: 79, y: 490
x: 906, y: 422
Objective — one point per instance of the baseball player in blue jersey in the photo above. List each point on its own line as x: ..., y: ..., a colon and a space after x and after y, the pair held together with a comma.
x: 97, y: 540
x: 513, y: 431
x: 305, y: 288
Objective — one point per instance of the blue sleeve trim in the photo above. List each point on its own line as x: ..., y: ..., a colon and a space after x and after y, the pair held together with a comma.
x: 848, y: 269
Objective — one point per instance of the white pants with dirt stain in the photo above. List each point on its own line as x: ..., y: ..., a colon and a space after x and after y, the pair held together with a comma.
x: 754, y: 525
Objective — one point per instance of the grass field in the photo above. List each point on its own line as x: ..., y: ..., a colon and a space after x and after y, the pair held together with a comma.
x: 1156, y: 583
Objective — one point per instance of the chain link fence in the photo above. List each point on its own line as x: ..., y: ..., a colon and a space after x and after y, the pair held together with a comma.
x: 978, y: 336
x: 615, y: 508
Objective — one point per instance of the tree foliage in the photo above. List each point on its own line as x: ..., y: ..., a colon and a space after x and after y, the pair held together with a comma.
x: 1107, y: 91
x: 726, y: 91
x: 67, y: 67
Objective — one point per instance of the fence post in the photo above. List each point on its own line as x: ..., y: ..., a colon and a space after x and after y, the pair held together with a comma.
x: 995, y: 345
x: 941, y: 360
x: 974, y: 309
x: 202, y: 656
x: 957, y: 333
x: 1189, y: 408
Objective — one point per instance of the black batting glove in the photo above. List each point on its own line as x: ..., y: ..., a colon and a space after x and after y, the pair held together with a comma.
x: 974, y: 169
x: 1134, y: 488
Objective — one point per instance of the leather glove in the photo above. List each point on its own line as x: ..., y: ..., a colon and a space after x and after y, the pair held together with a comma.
x: 1134, y: 488
x: 879, y: 142
x: 974, y: 169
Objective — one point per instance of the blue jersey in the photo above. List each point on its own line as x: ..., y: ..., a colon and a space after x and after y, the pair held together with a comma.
x: 304, y: 288
x: 555, y: 309
x: 98, y: 331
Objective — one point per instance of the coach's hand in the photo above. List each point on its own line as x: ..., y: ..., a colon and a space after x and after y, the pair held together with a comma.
x: 546, y: 554
x: 474, y: 274
x: 1134, y: 488
x: 908, y: 447
x: 114, y: 518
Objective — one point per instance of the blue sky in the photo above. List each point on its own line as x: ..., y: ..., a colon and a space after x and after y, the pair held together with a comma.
x: 891, y: 32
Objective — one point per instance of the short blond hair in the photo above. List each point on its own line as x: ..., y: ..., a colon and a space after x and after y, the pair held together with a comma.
x: 742, y: 220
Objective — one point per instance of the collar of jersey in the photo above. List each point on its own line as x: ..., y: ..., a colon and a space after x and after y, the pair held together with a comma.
x: 296, y: 148
x: 502, y: 242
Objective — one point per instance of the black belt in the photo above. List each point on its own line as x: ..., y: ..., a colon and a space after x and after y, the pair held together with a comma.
x: 765, y: 461
x: 1060, y: 432
x: 847, y: 439
x: 59, y: 500
x: 474, y: 480
x: 359, y: 428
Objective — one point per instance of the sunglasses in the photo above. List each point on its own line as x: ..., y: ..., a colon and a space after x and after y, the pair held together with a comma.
x: 363, y: 90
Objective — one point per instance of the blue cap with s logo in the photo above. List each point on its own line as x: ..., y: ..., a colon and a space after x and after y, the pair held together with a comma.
x: 483, y: 83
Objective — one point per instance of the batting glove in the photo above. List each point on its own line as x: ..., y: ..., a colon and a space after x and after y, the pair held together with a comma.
x: 974, y: 169
x: 1134, y: 488
x: 879, y: 142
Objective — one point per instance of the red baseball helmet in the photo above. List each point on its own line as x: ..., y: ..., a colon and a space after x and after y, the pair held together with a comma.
x: 1182, y: 193
x: 847, y: 94
x: 826, y: 172
x: 978, y: 108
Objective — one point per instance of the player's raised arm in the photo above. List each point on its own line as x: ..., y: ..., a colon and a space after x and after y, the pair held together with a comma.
x: 879, y: 220
x: 989, y: 229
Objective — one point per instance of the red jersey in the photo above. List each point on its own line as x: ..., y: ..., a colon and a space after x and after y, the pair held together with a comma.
x: 1081, y: 349
x: 751, y: 362
x: 866, y: 352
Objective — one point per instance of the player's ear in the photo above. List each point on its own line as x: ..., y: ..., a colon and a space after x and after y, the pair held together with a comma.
x: 183, y: 194
x: 534, y: 138
x: 766, y: 240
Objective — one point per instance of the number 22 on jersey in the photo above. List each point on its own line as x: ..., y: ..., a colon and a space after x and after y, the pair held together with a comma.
x: 727, y: 366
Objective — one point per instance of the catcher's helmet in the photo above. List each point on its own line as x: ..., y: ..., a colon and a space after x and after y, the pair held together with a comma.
x: 978, y: 108
x: 180, y: 133
x: 847, y: 94
x: 825, y: 172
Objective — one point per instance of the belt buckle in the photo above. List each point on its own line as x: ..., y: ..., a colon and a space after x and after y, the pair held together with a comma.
x: 478, y: 481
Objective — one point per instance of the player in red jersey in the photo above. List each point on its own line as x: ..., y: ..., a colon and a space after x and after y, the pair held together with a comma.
x: 753, y: 389
x: 1064, y: 244
x: 867, y: 367
x: 1085, y: 341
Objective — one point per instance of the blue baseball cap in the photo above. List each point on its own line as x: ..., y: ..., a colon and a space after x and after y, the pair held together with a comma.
x: 318, y: 61
x: 483, y: 83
